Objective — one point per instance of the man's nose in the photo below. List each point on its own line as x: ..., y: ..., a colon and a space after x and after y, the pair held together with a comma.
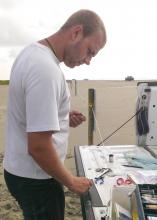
x: 87, y: 60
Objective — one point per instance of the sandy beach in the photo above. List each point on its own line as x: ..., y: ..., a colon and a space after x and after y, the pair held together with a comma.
x: 115, y: 104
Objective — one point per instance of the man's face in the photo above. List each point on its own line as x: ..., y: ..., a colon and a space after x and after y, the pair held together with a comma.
x: 83, y: 50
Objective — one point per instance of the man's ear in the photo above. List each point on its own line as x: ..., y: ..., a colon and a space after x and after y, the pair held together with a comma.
x: 77, y: 32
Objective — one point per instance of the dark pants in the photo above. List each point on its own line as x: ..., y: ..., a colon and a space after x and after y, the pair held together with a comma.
x: 38, y: 199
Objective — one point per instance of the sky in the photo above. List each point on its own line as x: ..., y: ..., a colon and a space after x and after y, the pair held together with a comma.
x: 131, y: 27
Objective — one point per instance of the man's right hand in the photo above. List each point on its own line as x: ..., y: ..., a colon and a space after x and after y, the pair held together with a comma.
x: 40, y: 147
x: 80, y: 185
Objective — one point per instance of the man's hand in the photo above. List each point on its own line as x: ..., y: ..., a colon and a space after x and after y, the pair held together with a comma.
x: 80, y: 185
x: 41, y: 148
x: 76, y: 118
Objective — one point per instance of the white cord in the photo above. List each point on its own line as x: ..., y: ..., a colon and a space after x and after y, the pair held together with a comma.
x: 97, y: 126
x: 96, y: 121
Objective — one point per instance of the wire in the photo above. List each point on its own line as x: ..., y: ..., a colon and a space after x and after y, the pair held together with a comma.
x: 96, y: 121
x: 103, y: 140
x: 119, y: 127
x: 97, y: 125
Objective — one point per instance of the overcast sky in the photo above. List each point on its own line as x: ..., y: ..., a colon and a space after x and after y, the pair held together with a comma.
x: 131, y: 27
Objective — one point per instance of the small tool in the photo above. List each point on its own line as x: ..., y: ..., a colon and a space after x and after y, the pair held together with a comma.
x: 100, y: 178
x: 100, y: 169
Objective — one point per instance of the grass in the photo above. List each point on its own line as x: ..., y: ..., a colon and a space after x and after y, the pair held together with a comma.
x: 4, y: 82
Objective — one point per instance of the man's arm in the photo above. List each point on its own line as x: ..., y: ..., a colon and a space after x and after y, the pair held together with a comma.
x: 40, y: 147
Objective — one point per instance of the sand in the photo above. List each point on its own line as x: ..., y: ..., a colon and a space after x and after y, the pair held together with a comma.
x: 115, y: 103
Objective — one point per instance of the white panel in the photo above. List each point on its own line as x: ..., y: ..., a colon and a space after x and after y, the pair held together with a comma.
x: 151, y: 138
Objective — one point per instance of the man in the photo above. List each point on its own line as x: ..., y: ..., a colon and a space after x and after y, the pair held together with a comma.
x: 38, y: 117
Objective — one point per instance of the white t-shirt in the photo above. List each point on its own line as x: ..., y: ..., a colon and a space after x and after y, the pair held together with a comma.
x: 38, y: 101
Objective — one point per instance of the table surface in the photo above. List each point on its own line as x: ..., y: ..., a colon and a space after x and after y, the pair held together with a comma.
x: 90, y: 162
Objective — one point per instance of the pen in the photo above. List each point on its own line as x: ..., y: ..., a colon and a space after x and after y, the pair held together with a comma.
x: 127, y: 165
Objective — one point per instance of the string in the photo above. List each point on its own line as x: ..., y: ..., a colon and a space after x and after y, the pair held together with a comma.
x: 50, y: 46
x: 120, y: 127
x: 96, y: 121
x: 97, y: 125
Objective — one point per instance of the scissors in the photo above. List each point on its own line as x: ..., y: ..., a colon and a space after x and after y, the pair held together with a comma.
x: 122, y: 181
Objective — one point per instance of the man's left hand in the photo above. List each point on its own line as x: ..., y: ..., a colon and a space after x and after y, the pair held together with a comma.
x: 76, y: 118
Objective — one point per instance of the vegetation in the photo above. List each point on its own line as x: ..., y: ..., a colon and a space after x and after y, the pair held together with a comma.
x: 4, y: 82
x: 129, y: 78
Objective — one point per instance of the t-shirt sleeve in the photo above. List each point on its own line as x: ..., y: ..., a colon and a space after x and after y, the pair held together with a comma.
x: 42, y: 101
